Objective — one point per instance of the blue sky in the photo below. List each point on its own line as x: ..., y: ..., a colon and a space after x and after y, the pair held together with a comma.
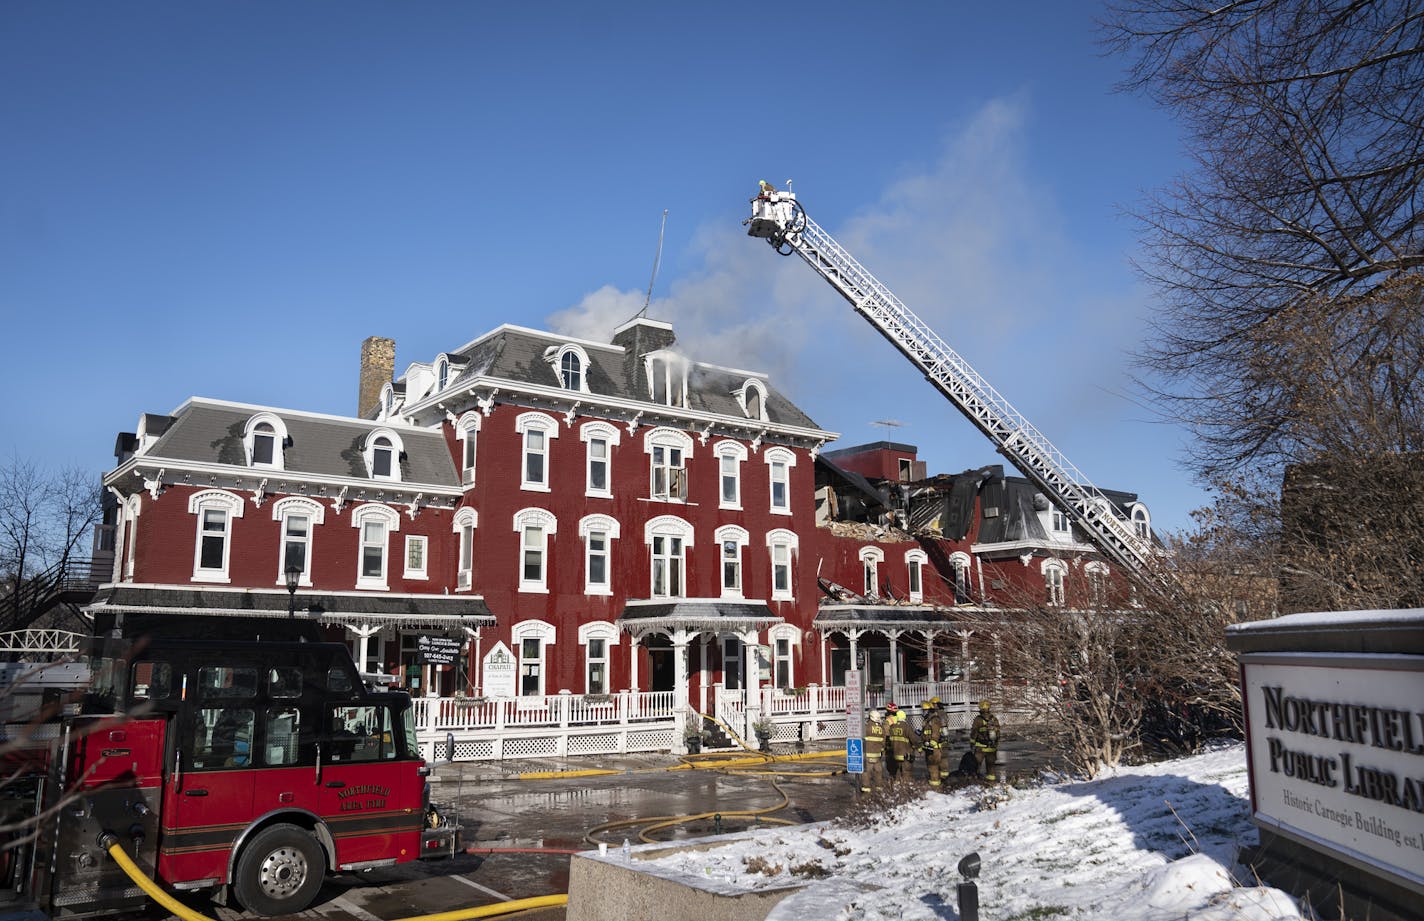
x: 224, y: 199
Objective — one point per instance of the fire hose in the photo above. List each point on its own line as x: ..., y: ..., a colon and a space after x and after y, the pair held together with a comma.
x: 110, y: 842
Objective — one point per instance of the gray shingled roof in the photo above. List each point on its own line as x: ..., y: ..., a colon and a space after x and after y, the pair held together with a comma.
x: 212, y: 434
x: 517, y: 355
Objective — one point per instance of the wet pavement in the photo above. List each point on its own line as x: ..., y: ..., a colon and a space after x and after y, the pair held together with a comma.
x: 499, y: 810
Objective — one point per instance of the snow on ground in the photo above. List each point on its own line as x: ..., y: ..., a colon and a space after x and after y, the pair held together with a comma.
x: 1146, y: 843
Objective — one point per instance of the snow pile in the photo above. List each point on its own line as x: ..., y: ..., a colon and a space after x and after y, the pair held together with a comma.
x: 1147, y: 843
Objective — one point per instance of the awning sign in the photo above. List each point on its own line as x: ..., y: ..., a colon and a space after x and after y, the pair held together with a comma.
x: 437, y: 650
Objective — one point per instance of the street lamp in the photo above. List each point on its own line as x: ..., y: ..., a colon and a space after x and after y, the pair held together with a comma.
x: 294, y: 575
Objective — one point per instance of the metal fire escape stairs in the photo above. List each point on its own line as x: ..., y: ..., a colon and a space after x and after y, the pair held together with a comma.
x: 778, y: 218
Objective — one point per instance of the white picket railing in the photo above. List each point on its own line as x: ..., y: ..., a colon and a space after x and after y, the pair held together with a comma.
x: 565, y: 724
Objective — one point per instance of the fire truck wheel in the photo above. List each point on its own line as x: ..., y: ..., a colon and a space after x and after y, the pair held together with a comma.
x: 279, y: 872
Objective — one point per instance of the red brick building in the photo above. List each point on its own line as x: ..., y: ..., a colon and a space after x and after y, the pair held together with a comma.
x: 585, y: 517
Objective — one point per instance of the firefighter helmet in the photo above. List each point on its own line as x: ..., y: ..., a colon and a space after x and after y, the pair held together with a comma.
x: 984, y: 706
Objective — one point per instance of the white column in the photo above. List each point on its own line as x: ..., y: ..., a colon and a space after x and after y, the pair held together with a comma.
x: 894, y: 657
x: 929, y: 636
x: 826, y: 680
x: 478, y: 680
x: 633, y: 648
x: 752, y: 683
x: 679, y: 686
x: 702, y: 674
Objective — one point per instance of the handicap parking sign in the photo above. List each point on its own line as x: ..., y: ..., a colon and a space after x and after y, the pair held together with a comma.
x: 855, y: 756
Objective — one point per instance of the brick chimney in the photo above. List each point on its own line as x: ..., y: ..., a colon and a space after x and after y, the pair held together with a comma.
x: 639, y: 336
x: 378, y: 368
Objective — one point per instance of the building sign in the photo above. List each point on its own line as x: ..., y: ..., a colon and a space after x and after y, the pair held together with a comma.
x: 437, y: 650
x: 763, y: 664
x: 499, y: 671
x: 1337, y: 755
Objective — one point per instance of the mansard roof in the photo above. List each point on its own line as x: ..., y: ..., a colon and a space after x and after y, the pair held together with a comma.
x: 211, y: 432
x: 517, y: 354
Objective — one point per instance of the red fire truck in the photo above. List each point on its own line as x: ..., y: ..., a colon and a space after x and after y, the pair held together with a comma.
x: 249, y: 763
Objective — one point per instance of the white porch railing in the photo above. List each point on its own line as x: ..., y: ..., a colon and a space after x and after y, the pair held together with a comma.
x: 565, y: 724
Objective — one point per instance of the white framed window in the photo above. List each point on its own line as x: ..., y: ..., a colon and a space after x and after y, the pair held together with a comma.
x: 782, y: 545
x: 388, y: 401
x: 531, y: 637
x: 299, y: 518
x: 215, y: 510
x: 730, y: 457
x: 870, y: 560
x: 374, y: 526
x: 598, y: 532
x: 667, y: 378
x: 1141, y: 522
x: 570, y: 364
x: 668, y: 538
x: 263, y: 440
x: 1062, y: 524
x: 732, y: 675
x: 915, y: 574
x: 466, y: 520
x: 597, y: 637
x: 784, y: 638
x: 779, y: 462
x: 382, y: 451
x: 730, y: 541
x: 467, y: 430
x: 535, y: 430
x: 752, y: 397
x: 1055, y: 574
x: 1098, y: 584
x: 442, y: 373
x: 668, y: 452
x: 534, y: 527
x: 416, y: 557
x: 599, y: 439
x: 959, y: 568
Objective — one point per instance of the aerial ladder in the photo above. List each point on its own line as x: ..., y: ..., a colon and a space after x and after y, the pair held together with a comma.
x: 779, y: 218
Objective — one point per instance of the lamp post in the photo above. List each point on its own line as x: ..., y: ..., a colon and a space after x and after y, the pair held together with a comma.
x: 294, y: 575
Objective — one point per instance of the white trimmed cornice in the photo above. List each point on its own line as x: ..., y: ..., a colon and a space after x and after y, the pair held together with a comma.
x: 172, y: 472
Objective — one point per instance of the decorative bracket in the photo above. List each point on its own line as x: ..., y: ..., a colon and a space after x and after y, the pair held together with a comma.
x: 632, y: 425
x: 756, y: 442
x: 486, y: 403
x: 414, y: 505
x: 1026, y: 559
x: 705, y: 434
x: 569, y: 416
x: 816, y: 449
x: 339, y: 502
x: 155, y: 485
x: 259, y: 495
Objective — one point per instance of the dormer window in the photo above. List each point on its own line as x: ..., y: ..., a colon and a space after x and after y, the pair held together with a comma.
x: 1141, y: 523
x: 570, y: 363
x: 667, y: 380
x: 388, y: 402
x: 442, y: 373
x: 571, y: 371
x: 382, y: 452
x: 752, y: 396
x: 263, y: 440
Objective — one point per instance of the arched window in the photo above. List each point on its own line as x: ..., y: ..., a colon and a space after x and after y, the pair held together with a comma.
x: 571, y: 371
x: 1141, y: 522
x: 784, y: 639
x: 570, y: 363
x: 782, y: 545
x: 374, y: 526
x: 597, y: 638
x: 466, y: 519
x: 668, y: 538
x: 779, y: 462
x: 668, y: 451
x: 530, y: 637
x: 730, y: 541
x: 299, y: 519
x: 752, y: 396
x: 598, y: 533
x: 263, y: 439
x: 914, y: 573
x: 600, y: 438
x: 536, y: 431
x: 215, y: 510
x: 534, y: 527
x: 467, y: 429
x: 382, y: 452
x: 959, y: 566
x: 1055, y: 575
x: 1098, y: 584
x: 442, y: 373
x: 730, y: 457
x: 871, y: 558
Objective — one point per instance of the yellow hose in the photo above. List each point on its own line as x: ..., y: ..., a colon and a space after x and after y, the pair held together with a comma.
x: 155, y: 892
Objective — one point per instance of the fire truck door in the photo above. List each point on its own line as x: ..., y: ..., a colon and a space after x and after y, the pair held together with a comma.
x: 371, y: 798
x: 208, y: 796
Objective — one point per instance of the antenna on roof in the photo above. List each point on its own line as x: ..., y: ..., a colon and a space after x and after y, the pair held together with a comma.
x: 887, y: 425
x: 656, y: 259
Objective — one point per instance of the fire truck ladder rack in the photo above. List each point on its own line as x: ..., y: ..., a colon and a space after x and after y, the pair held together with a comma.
x: 779, y: 218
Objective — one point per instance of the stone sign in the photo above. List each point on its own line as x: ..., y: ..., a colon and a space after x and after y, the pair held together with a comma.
x: 499, y: 672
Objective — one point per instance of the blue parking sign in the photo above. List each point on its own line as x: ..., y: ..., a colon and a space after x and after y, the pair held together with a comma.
x: 855, y: 756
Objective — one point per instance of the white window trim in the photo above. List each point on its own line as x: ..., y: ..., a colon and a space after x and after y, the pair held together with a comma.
x: 599, y: 630
x: 450, y: 373
x: 316, y: 513
x: 391, y: 518
x: 464, y: 578
x: 738, y: 452
x: 408, y: 573
x: 783, y: 537
x: 550, y: 427
x: 467, y: 427
x: 671, y: 367
x: 960, y: 560
x: 545, y: 633
x: 665, y: 437
x: 1134, y: 511
x: 388, y: 404
x: 611, y: 528
x: 873, y: 556
x: 741, y: 394
x: 1060, y: 597
x: 731, y: 532
x: 609, y: 433
x: 668, y: 526
x: 556, y: 361
x: 197, y: 504
x: 279, y: 440
x: 769, y: 457
x: 792, y: 634
x: 546, y: 520
x: 1099, y: 575
x: 368, y: 451
x: 916, y: 558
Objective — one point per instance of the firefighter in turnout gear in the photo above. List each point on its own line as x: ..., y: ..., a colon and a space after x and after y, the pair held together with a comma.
x: 898, y: 742
x: 984, y: 736
x: 873, y: 777
x: 931, y: 740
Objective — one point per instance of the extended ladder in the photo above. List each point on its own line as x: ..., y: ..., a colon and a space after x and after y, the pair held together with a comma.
x: 779, y: 218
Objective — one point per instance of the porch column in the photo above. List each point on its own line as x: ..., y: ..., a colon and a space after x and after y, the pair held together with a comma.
x: 854, y: 637
x: 930, y: 636
x: 476, y: 679
x: 998, y: 668
x: 751, y: 672
x: 702, y: 674
x: 964, y: 636
x: 363, y: 642
x: 680, y: 638
x: 894, y: 636
x: 633, y: 648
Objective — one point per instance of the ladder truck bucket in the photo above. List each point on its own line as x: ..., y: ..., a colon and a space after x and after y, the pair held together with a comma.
x: 774, y: 215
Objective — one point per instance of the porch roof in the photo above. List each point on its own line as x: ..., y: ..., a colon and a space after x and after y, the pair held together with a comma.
x: 712, y: 615
x: 876, y: 616
x: 340, y: 608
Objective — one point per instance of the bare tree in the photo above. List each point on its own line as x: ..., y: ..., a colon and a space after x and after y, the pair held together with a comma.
x: 45, y: 520
x: 1289, y: 258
